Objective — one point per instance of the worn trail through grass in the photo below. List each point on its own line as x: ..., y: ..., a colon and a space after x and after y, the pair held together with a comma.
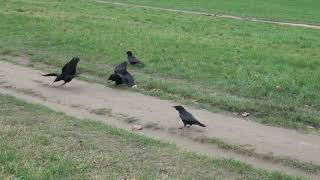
x: 124, y: 108
x: 215, y: 15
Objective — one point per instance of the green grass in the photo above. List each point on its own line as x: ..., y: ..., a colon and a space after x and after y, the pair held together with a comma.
x: 222, y: 64
x: 37, y: 143
x: 305, y: 11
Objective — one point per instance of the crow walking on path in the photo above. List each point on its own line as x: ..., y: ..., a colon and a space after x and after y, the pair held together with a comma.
x: 133, y: 60
x: 69, y: 71
x: 187, y: 118
x: 121, y: 75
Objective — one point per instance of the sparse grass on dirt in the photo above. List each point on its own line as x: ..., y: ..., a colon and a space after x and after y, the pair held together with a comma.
x: 102, y: 111
x: 220, y: 64
x: 286, y: 10
x: 130, y: 120
x: 37, y: 143
x: 288, y: 161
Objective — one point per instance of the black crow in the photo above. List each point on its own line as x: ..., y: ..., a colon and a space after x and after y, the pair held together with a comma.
x: 69, y: 71
x: 187, y: 118
x: 133, y: 60
x: 121, y: 75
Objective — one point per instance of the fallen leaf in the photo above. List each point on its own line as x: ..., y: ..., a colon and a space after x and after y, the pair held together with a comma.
x: 245, y: 114
x: 155, y: 90
x: 279, y: 88
x: 137, y: 127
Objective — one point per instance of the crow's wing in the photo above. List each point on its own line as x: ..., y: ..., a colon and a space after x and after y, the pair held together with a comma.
x: 71, y: 67
x: 129, y: 79
x: 50, y: 74
x: 118, y: 78
x: 133, y: 59
x: 186, y: 116
x: 121, y: 68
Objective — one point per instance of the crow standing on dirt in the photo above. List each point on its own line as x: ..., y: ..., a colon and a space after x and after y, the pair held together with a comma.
x: 69, y: 71
x: 121, y: 75
x: 133, y: 60
x: 187, y: 118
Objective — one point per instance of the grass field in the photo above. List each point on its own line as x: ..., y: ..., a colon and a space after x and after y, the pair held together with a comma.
x: 37, y: 143
x: 225, y: 64
x: 306, y: 11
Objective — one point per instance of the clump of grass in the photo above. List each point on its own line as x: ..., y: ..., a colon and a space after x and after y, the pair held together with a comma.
x: 102, y: 111
x: 131, y: 120
x: 223, y: 145
x: 6, y: 51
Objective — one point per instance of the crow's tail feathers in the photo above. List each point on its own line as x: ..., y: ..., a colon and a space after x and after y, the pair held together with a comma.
x: 50, y: 74
x: 202, y: 125
x: 140, y: 64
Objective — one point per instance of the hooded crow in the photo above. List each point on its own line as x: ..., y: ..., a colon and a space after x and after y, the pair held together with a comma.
x: 133, y: 60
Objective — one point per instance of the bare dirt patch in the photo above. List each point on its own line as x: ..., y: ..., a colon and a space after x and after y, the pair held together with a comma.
x: 23, y: 60
x: 79, y: 99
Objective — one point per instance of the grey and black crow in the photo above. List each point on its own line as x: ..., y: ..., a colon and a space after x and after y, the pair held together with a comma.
x: 187, y: 118
x: 133, y: 60
x: 121, y: 75
x: 69, y: 71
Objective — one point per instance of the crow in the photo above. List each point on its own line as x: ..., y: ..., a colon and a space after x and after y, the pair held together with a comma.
x: 69, y: 71
x: 121, y: 75
x: 187, y: 118
x: 133, y: 60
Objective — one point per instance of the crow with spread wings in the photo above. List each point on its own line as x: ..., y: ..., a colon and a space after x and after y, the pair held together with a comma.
x: 69, y: 71
x: 122, y: 76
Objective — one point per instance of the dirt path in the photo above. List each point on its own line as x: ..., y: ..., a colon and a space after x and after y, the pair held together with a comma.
x: 215, y: 15
x: 86, y: 100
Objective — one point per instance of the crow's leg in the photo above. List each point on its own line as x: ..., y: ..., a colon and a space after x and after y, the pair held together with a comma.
x: 183, y: 126
x: 63, y: 83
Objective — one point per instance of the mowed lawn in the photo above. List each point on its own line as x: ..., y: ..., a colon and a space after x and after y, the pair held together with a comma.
x: 216, y: 63
x: 304, y: 11
x: 37, y: 143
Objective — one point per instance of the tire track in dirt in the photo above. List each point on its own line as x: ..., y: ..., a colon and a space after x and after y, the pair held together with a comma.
x: 81, y: 99
x: 252, y: 19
